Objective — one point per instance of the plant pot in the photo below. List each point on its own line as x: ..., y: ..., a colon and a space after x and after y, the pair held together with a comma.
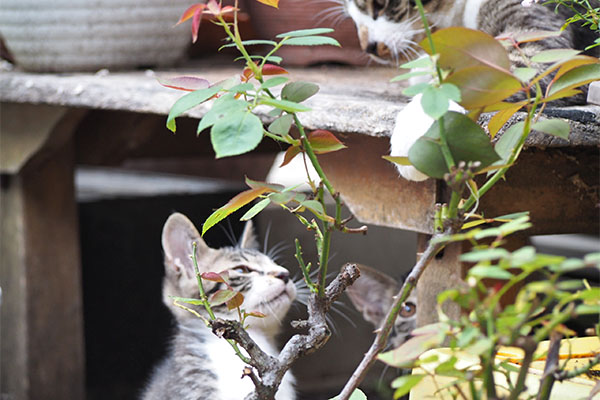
x: 303, y: 14
x: 87, y: 35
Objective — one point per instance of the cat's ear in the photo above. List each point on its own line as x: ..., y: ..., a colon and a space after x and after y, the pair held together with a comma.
x: 178, y: 236
x: 248, y: 239
x: 372, y: 294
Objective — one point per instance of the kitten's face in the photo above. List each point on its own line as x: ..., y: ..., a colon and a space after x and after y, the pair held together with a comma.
x: 389, y: 30
x: 372, y: 295
x: 265, y: 285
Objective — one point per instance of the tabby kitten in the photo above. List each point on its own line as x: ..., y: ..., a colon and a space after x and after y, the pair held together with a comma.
x: 390, y: 30
x: 372, y: 294
x: 199, y: 364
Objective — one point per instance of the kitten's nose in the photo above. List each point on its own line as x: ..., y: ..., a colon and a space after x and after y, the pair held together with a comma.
x: 284, y: 276
x: 371, y: 48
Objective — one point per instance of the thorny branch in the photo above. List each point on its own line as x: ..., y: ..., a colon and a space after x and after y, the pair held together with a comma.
x: 382, y: 333
x: 271, y: 369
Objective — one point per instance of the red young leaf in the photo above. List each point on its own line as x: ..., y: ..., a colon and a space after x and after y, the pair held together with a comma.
x: 256, y: 314
x: 187, y: 83
x: 323, y: 141
x: 213, y: 277
x: 270, y: 69
x: 236, y: 301
x: 189, y: 13
x: 461, y: 47
x: 290, y: 153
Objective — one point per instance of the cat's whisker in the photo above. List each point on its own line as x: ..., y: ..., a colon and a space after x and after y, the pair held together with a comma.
x: 266, y: 241
x: 229, y: 233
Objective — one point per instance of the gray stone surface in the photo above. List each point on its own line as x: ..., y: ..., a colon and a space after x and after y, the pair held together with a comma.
x: 351, y: 100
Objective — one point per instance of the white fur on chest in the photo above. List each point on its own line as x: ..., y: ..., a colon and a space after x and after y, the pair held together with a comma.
x: 229, y: 368
x: 471, y: 12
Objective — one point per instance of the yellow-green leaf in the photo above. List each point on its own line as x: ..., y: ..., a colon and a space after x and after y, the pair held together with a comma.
x: 500, y: 118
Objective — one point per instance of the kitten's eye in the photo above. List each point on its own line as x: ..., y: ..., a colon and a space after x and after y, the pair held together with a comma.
x: 242, y: 269
x: 408, y: 310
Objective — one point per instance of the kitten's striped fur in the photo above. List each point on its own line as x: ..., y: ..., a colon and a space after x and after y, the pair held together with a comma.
x: 201, y: 366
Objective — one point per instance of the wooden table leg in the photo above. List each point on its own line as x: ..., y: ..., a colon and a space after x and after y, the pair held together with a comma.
x: 42, y: 352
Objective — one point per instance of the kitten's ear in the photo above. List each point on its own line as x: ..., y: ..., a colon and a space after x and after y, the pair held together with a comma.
x: 178, y: 236
x: 372, y: 294
x: 248, y: 239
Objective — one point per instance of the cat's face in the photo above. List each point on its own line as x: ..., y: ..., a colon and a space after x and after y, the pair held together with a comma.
x: 389, y: 30
x: 372, y: 295
x: 265, y: 285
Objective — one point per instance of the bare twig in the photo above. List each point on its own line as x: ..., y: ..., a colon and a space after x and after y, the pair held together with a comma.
x: 528, y: 344
x: 380, y: 340
x: 551, y: 366
x: 272, y: 369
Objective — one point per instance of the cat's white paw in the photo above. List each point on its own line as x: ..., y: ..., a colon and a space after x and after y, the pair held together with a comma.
x: 411, y: 124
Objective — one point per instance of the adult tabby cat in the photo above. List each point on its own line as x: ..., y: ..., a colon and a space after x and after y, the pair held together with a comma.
x: 372, y: 295
x: 201, y: 366
x: 390, y: 29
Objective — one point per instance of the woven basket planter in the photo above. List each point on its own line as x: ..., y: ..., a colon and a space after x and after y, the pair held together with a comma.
x: 87, y: 35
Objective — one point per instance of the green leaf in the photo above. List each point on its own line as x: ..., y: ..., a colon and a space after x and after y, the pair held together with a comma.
x: 434, y: 102
x: 583, y: 309
x: 258, y: 207
x: 555, y: 127
x: 357, y: 394
x: 222, y: 106
x: 415, y: 89
x: 576, y: 77
x: 397, y: 160
x: 241, y: 88
x: 253, y: 42
x: 489, y: 271
x: 404, y: 384
x: 188, y: 102
x: 312, y: 41
x: 554, y: 55
x: 451, y: 91
x: 525, y: 74
x: 410, y: 350
x: 233, y: 205
x: 484, y: 255
x: 221, y: 297
x: 593, y: 258
x: 466, y: 140
x: 571, y: 264
x: 421, y: 62
x: 508, y: 141
x: 239, y: 133
x: 408, y: 75
x: 196, y: 302
x: 299, y: 91
x: 278, y: 80
x: 284, y: 105
x: 281, y: 126
x: 305, y: 32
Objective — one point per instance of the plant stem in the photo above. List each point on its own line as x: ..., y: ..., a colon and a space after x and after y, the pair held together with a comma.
x: 200, y: 285
x: 528, y: 344
x: 551, y: 366
x: 382, y: 333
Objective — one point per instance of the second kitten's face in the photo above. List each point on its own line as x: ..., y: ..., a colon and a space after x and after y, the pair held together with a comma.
x: 389, y: 30
x: 265, y: 285
x: 372, y: 295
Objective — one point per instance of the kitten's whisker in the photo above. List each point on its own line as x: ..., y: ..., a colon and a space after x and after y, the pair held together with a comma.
x: 229, y: 233
x: 341, y: 314
x: 266, y: 242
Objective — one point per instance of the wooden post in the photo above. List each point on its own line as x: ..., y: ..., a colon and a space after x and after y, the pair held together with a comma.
x: 41, y: 341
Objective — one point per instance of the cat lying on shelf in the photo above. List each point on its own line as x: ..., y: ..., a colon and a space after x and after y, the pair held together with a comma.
x: 389, y: 30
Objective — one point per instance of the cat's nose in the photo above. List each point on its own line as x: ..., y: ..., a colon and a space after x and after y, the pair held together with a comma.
x: 284, y: 276
x: 371, y: 48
